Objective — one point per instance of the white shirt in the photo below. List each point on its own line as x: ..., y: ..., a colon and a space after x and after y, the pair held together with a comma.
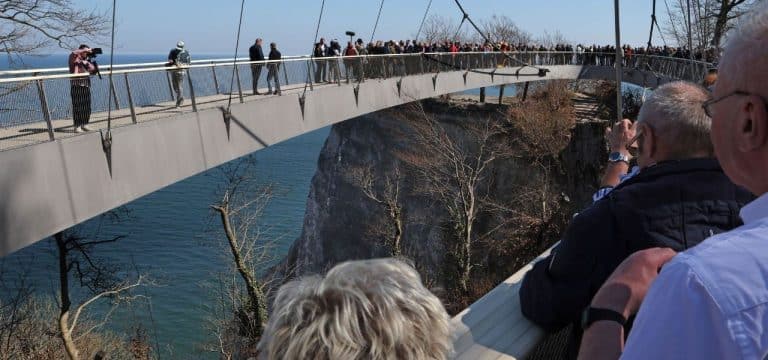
x: 710, y: 302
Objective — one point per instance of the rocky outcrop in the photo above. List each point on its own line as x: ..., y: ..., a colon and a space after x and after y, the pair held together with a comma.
x: 340, y: 220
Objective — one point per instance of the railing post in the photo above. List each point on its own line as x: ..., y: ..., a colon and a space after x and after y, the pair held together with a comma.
x: 170, y: 86
x: 191, y: 91
x: 239, y: 87
x: 130, y: 98
x: 44, y: 107
x: 114, y: 94
x: 215, y: 79
x: 285, y: 73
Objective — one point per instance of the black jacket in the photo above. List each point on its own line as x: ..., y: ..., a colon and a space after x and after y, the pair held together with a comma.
x: 256, y: 53
x: 674, y: 204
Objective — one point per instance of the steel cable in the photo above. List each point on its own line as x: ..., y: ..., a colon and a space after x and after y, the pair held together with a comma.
x: 423, y: 19
x: 376, y: 24
x: 111, y: 63
x: 312, y: 53
x: 485, y: 37
x: 234, y: 62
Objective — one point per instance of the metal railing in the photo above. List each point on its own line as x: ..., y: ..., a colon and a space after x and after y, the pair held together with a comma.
x: 36, y: 105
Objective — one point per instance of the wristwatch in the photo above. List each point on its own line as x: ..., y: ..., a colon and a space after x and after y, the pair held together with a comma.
x: 616, y: 156
x: 590, y: 315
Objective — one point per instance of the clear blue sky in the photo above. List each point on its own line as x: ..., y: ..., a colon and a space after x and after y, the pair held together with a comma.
x: 145, y: 26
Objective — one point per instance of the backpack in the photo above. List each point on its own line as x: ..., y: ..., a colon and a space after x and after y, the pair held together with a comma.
x: 183, y: 58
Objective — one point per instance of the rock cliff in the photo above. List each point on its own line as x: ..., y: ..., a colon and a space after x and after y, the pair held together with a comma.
x: 343, y: 221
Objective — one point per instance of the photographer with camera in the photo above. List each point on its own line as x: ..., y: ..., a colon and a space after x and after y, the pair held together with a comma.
x: 81, y: 61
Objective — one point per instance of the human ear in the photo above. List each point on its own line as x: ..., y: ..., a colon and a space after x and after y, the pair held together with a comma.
x: 752, y: 124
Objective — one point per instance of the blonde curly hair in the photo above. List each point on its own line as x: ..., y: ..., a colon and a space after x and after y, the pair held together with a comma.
x: 368, y: 309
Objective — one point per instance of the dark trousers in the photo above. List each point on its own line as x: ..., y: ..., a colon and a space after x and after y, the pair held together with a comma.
x: 256, y: 74
x: 321, y: 73
x: 81, y: 104
x: 272, y: 74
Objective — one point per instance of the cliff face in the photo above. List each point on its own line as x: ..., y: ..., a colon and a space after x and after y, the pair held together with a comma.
x: 343, y: 222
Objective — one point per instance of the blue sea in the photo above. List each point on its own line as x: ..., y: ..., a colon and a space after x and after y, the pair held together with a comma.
x: 170, y: 238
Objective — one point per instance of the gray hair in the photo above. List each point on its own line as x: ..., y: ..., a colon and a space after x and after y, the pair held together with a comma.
x: 675, y: 113
x: 746, y: 49
x: 369, y: 309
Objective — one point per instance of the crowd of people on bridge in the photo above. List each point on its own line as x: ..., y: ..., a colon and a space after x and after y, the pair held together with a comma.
x: 673, y: 250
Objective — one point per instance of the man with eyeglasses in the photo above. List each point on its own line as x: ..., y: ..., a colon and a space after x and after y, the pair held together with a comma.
x: 678, y: 197
x: 710, y: 302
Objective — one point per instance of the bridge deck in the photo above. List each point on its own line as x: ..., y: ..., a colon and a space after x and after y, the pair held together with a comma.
x: 32, y: 133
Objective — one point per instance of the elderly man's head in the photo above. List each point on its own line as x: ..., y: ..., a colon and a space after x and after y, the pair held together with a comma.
x: 370, y: 309
x: 738, y: 105
x: 672, y: 125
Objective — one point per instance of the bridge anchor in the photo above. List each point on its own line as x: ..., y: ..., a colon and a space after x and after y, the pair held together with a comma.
x: 399, y: 86
x: 302, y: 100
x: 106, y: 145
x: 227, y: 118
x: 356, y: 89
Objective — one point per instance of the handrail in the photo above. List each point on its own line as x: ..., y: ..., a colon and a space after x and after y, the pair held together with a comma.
x: 231, y: 62
x: 477, y: 335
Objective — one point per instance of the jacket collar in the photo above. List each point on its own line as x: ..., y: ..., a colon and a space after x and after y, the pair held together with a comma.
x: 672, y: 167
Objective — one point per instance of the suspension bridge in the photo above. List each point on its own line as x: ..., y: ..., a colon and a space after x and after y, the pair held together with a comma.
x: 56, y: 178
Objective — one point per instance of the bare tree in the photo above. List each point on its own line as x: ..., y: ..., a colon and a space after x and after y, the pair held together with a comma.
x: 458, y: 174
x: 28, y: 26
x: 438, y: 29
x: 75, y: 253
x: 710, y: 20
x: 552, y: 38
x: 502, y: 28
x: 385, y: 192
x: 242, y: 314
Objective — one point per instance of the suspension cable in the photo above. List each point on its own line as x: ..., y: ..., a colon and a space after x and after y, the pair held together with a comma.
x: 423, y: 19
x: 376, y: 24
x: 111, y: 63
x: 653, y: 21
x: 458, y: 30
x: 485, y: 37
x: 312, y: 53
x: 234, y: 62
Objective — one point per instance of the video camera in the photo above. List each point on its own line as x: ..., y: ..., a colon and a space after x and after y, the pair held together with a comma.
x: 92, y: 56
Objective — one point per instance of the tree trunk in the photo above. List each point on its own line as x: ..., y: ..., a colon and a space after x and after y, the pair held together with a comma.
x: 394, y: 212
x: 721, y: 23
x: 66, y: 303
x: 255, y: 295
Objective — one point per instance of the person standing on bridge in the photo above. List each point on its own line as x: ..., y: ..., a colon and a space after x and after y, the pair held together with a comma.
x: 256, y: 54
x: 179, y: 58
x: 80, y: 87
x: 273, y: 68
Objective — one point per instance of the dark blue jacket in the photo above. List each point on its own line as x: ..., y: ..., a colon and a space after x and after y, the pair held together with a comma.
x: 255, y: 53
x: 674, y: 204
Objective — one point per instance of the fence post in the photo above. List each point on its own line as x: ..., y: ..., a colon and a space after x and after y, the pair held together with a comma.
x: 130, y: 98
x: 482, y: 94
x: 285, y: 73
x: 525, y: 90
x: 239, y: 87
x: 170, y: 87
x: 114, y: 94
x: 191, y: 92
x: 501, y: 94
x: 44, y: 107
x: 215, y: 79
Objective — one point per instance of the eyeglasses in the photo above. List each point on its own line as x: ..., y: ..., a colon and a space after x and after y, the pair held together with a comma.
x: 707, y: 104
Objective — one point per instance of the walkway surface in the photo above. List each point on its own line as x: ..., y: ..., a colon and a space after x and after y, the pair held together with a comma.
x: 29, y: 134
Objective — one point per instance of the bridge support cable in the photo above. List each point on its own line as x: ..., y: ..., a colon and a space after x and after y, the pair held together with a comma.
x: 106, y: 139
x: 376, y: 24
x: 618, y: 62
x: 311, y: 57
x: 226, y: 112
x: 485, y: 37
x: 423, y: 19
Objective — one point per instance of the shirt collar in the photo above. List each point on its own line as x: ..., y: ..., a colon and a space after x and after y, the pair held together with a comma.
x: 755, y: 210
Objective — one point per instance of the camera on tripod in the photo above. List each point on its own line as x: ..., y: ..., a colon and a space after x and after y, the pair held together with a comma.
x: 94, y: 52
x: 92, y: 58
